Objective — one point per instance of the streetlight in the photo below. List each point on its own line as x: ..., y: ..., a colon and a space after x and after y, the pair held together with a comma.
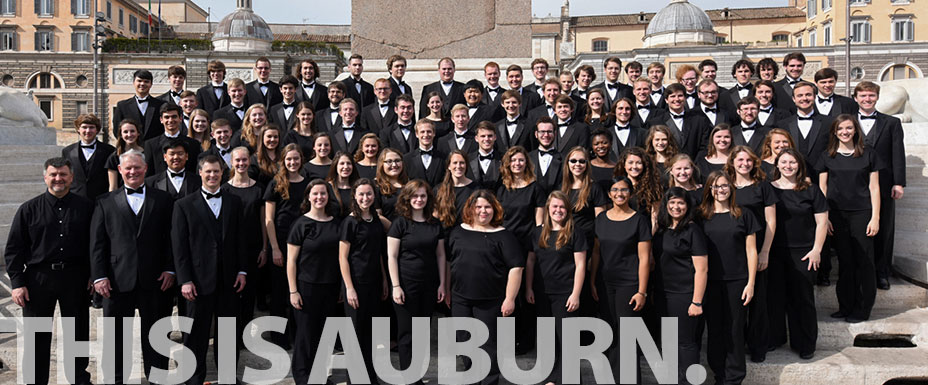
x: 98, y: 32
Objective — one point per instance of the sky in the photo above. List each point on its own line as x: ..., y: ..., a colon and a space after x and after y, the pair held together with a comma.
x: 339, y: 11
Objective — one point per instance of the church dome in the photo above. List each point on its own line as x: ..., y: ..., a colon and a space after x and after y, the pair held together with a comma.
x: 679, y: 23
x: 242, y: 30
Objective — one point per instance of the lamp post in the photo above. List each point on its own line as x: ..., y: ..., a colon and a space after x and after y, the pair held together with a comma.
x: 98, y: 32
x: 847, y: 49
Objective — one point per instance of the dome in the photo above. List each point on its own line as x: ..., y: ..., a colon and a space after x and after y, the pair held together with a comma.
x: 242, y: 30
x: 679, y: 23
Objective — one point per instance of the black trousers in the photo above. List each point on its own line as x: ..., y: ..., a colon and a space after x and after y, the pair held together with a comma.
x: 618, y: 297
x: 68, y: 289
x: 689, y: 330
x: 368, y: 305
x: 205, y: 309
x: 485, y: 311
x: 319, y: 302
x: 725, y: 314
x: 757, y: 331
x: 152, y: 306
x: 525, y: 315
x: 824, y: 268
x: 793, y: 298
x: 856, y: 287
x: 280, y: 305
x: 883, y: 242
x: 554, y: 305
x: 420, y: 302
x: 246, y: 312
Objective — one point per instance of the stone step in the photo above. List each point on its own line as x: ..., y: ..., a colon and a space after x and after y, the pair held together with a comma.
x: 901, y: 296
x: 912, y: 218
x: 20, y: 172
x: 838, y: 334
x: 19, y: 192
x: 37, y: 153
x: 849, y: 366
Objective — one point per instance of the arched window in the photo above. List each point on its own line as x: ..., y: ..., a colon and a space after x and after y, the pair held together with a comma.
x: 44, y: 80
x: 899, y: 71
x: 601, y: 45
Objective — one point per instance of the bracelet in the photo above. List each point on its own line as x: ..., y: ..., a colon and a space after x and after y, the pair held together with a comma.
x: 396, y: 286
x: 294, y: 292
x: 643, y: 294
x: 697, y: 304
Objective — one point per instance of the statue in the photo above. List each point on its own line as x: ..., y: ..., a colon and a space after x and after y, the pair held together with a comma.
x: 904, y: 99
x: 17, y: 109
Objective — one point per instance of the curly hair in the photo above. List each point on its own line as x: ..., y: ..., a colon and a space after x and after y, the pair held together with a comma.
x: 404, y: 207
x: 282, y: 177
x: 381, y: 177
x: 757, y: 175
x: 505, y: 170
x: 648, y: 183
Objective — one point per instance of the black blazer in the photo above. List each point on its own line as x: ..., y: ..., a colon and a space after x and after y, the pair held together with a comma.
x: 230, y: 115
x: 721, y: 116
x: 495, y: 102
x: 319, y: 98
x: 524, y: 135
x: 337, y: 136
x: 886, y: 139
x: 773, y: 120
x: 277, y: 116
x: 416, y: 170
x: 129, y: 109
x: 693, y: 136
x: 167, y: 98
x: 757, y: 139
x: 90, y: 177
x: 813, y: 145
x: 395, y: 90
x: 624, y: 91
x: 206, y: 98
x: 577, y: 134
x: 535, y: 89
x: 323, y: 120
x: 730, y: 98
x: 530, y: 101
x: 489, y: 180
x: 160, y: 181
x: 202, y: 247
x: 637, y: 137
x: 486, y: 113
x: 371, y: 119
x: 552, y: 180
x: 447, y: 143
x: 392, y: 137
x: 455, y: 96
x: 783, y: 95
x: 656, y: 115
x: 365, y: 97
x: 840, y: 105
x: 661, y: 100
x: 131, y: 251
x: 154, y: 158
x: 253, y: 94
x: 537, y: 113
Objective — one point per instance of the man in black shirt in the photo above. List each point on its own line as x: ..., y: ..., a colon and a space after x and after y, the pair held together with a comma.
x: 357, y: 88
x: 214, y: 95
x: 142, y: 107
x: 47, y: 262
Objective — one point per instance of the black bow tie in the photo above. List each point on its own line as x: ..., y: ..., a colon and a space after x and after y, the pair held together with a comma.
x: 565, y: 124
x: 767, y: 110
x: 675, y: 116
x: 348, y: 128
x: 289, y: 105
x: 792, y: 82
x: 486, y: 157
x: 173, y: 174
x: 823, y: 100
x: 425, y: 152
x: 492, y: 89
x: 237, y: 109
x: 862, y: 117
x: 551, y: 152
x: 692, y: 95
x: 659, y: 92
x: 751, y: 128
x: 612, y: 86
x: 472, y: 107
x: 143, y: 100
x: 308, y: 85
x: 460, y: 136
x: 747, y: 87
x: 512, y: 123
x: 712, y: 110
x: 644, y: 107
x: 224, y: 152
x: 620, y: 128
x: 405, y: 126
x: 804, y: 117
x: 175, y: 94
x: 208, y: 195
x: 447, y: 83
x: 263, y: 84
x: 90, y: 146
x: 130, y: 191
x: 385, y: 105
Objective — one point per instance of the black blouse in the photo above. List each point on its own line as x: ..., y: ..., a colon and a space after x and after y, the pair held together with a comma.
x: 255, y: 172
x: 253, y: 205
x: 555, y: 268
x: 705, y: 168
x: 387, y: 203
x: 756, y: 198
x: 314, y: 171
x: 796, y: 216
x: 369, y: 172
x: 418, y: 240
x: 480, y: 262
x: 519, y: 207
x: 768, y: 168
x: 583, y: 219
x: 602, y: 176
x: 368, y: 243
x: 618, y: 247
x: 305, y: 142
x: 674, y: 251
x: 728, y: 259
x: 318, y: 241
x: 287, y: 210
x: 849, y: 179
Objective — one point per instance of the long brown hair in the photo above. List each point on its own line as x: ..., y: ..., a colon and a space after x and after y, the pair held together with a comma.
x: 121, y: 145
x: 710, y: 148
x: 445, y: 209
x: 267, y: 165
x: 567, y: 228
x: 707, y: 207
x: 648, y: 185
x: 802, y: 180
x: 858, y: 137
x: 249, y: 132
x: 505, y: 172
x: 757, y: 175
x: 672, y: 182
x: 673, y: 148
x: 305, y: 206
x: 381, y: 177
x: 586, y: 183
x: 296, y: 110
x: 359, y: 154
x: 355, y: 207
x: 282, y: 177
x: 404, y: 208
x: 204, y: 142
x: 468, y: 216
x: 603, y: 113
x: 767, y: 148
x: 332, y: 177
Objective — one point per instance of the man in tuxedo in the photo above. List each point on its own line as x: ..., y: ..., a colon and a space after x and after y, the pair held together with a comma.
x: 742, y: 71
x: 346, y: 136
x: 826, y: 101
x: 327, y: 118
x: 688, y: 76
x: 208, y: 245
x: 708, y: 69
x: 794, y: 63
x: 379, y: 115
x: 584, y: 75
x: 461, y: 137
x: 709, y: 106
x: 88, y: 158
x: 749, y: 132
x: 767, y: 69
x: 396, y: 65
x: 131, y: 263
x: 262, y: 89
x: 614, y: 89
x: 170, y: 119
x: 552, y: 90
x: 567, y: 88
x: 530, y: 100
x: 646, y: 113
x: 283, y: 114
x: 310, y: 89
x: 425, y: 163
x: 690, y: 128
x: 492, y: 93
x: 177, y: 75
x: 188, y: 103
x: 540, y: 73
x: 513, y: 130
x: 633, y: 71
x: 214, y: 95
x: 484, y: 166
x: 401, y: 135
x: 768, y: 115
x: 570, y: 132
x: 884, y: 134
x: 810, y: 130
x: 625, y: 132
x: 142, y: 108
x: 175, y: 180
x: 546, y: 158
x: 221, y: 145
x: 451, y: 91
x: 656, y: 72
x: 357, y: 88
x: 476, y: 108
x: 234, y: 112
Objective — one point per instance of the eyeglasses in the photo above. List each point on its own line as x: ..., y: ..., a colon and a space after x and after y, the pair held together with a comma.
x: 624, y: 190
x: 575, y: 161
x: 382, y: 89
x: 689, y: 79
x: 393, y: 161
x: 708, y: 92
x: 721, y: 187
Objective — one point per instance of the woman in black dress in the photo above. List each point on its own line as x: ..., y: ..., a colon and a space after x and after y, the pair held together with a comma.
x: 754, y: 193
x: 731, y: 232
x: 303, y: 128
x: 682, y: 266
x: 639, y: 168
x: 486, y: 269
x: 282, y: 199
x: 796, y: 254
x: 129, y: 139
x: 435, y: 103
x: 622, y: 261
x: 662, y: 146
x: 716, y: 154
x: 340, y: 178
x: 252, y: 125
x: 312, y: 275
x: 266, y: 161
x: 602, y: 166
x: 684, y: 174
x: 391, y: 177
x: 775, y: 142
x: 597, y: 115
x: 555, y: 269
x: 318, y: 165
x: 365, y: 159
x: 453, y: 191
x: 849, y: 178
x: 416, y: 261
x: 587, y: 199
x: 363, y: 242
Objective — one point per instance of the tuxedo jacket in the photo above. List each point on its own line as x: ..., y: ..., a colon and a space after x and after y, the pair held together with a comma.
x: 208, y: 251
x: 840, y: 105
x: 206, y: 98
x: 395, y: 90
x: 656, y: 115
x: 776, y: 115
x: 161, y: 182
x: 730, y: 98
x: 530, y: 101
x: 433, y: 175
x: 253, y: 94
x: 167, y: 98
x: 576, y: 134
x: 624, y: 91
x: 214, y: 150
x: 337, y: 136
x: 323, y: 120
x: 537, y: 113
x: 535, y: 89
x: 454, y: 96
x: 637, y: 137
x: 447, y: 143
x: 552, y: 180
x: 154, y: 158
x: 150, y: 123
x: 523, y: 135
x: 91, y: 178
x: 757, y: 139
x: 484, y: 113
x: 722, y: 115
x: 783, y: 95
x: 365, y: 97
x: 229, y: 114
x: 693, y: 136
x: 392, y: 136
x: 814, y: 144
x: 886, y: 139
x: 319, y: 98
x: 277, y: 116
x: 491, y: 101
x: 661, y: 101
x: 686, y: 98
x: 371, y: 119
x: 489, y: 180
x: 131, y: 250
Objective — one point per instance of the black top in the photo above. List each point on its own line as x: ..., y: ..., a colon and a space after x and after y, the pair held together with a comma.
x: 343, y: 202
x: 287, y: 210
x: 480, y: 262
x: 728, y: 259
x: 602, y: 176
x: 583, y: 219
x: 48, y: 230
x: 318, y: 241
x: 255, y: 172
x: 796, y: 216
x: 386, y: 203
x: 305, y: 142
x: 368, y: 172
x: 253, y: 205
x: 756, y: 198
x: 705, y: 168
x: 555, y: 268
x: 112, y: 162
x: 768, y: 169
x: 313, y: 171
x: 674, y: 251
x: 618, y: 247
x: 418, y: 240
x: 368, y: 243
x: 849, y: 179
x: 519, y: 205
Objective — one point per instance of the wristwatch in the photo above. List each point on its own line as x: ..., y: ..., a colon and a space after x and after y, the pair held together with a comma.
x: 698, y: 304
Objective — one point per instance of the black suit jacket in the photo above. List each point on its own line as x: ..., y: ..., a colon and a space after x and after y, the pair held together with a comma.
x: 337, y: 135
x: 552, y: 180
x: 392, y: 137
x: 447, y: 143
x: 661, y: 100
x: 433, y: 175
x: 131, y: 252
x: 577, y: 134
x: 783, y: 95
x: 814, y: 144
x: 693, y: 136
x: 167, y: 98
x: 721, y: 116
x: 840, y: 105
x: 206, y: 98
x: 656, y: 115
x: 230, y: 115
x: 160, y: 181
x: 455, y: 96
x: 206, y: 253
x: 365, y: 97
x: 530, y: 101
x: 395, y: 90
x: 90, y: 177
x: 757, y: 139
x: 624, y: 91
x: 537, y: 113
x: 730, y: 98
x: 371, y: 119
x: 151, y: 122
x: 253, y: 94
x: 489, y: 180
x: 535, y: 89
x: 637, y: 137
x: 886, y: 138
x: 319, y: 98
x: 776, y: 115
x: 484, y: 113
x: 524, y: 135
x: 491, y: 101
x: 154, y: 158
x: 277, y: 116
x: 324, y: 122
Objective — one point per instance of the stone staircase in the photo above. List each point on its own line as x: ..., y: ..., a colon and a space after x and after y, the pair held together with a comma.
x: 20, y: 180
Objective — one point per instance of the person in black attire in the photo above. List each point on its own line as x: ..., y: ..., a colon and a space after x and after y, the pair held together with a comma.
x: 365, y: 159
x: 262, y: 90
x: 601, y: 164
x: 128, y: 139
x: 142, y: 108
x: 748, y: 132
x: 623, y: 132
x: 175, y: 180
x: 690, y: 128
x: 530, y: 99
x: 329, y: 118
x: 827, y: 102
x: 570, y: 132
x: 552, y: 89
x: 484, y: 166
x: 767, y: 114
x: 486, y: 269
x: 47, y: 261
x: 396, y: 66
x: 89, y: 157
x: 401, y: 134
x: 612, y: 69
x: 341, y: 176
x: 808, y: 128
x: 416, y: 262
x: 310, y: 89
x: 170, y: 119
x: 285, y: 112
x: 379, y: 115
x: 425, y: 162
x: 303, y: 128
x: 313, y: 274
x: 849, y: 178
x: 453, y: 191
x: 346, y: 137
x: 709, y: 107
x: 318, y: 166
x: 555, y: 269
x: 681, y: 270
x: 476, y: 108
x: 132, y: 265
x: 358, y: 89
x: 796, y: 254
x: 390, y: 179
x: 794, y: 64
x: 742, y: 71
x: 731, y: 232
x: 363, y: 242
x: 545, y: 158
x: 461, y: 137
x: 214, y: 95
x: 451, y: 91
x: 646, y: 112
x: 235, y: 111
x: 177, y: 76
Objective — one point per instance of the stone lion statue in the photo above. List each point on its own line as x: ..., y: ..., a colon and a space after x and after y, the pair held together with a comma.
x: 906, y: 99
x: 17, y: 109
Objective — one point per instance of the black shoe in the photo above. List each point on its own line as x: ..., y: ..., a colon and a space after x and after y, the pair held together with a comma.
x: 839, y: 314
x: 853, y: 320
x: 882, y: 283
x: 807, y: 356
x: 758, y: 358
x: 823, y: 281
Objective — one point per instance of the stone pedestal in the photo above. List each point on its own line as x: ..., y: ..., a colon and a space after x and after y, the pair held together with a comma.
x: 911, y: 247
